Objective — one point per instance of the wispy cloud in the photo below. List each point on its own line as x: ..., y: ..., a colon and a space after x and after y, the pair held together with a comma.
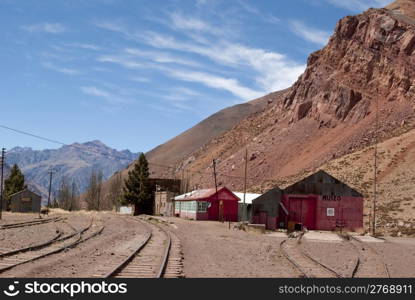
x: 140, y: 79
x: 188, y: 23
x: 270, y: 70
x: 255, y: 11
x: 64, y: 70
x: 109, y: 97
x: 359, y: 5
x: 110, y: 25
x: 84, y: 46
x: 161, y: 57
x: 309, y: 33
x: 274, y: 70
x: 228, y: 84
x: 121, y: 60
x: 94, y: 91
x: 54, y: 28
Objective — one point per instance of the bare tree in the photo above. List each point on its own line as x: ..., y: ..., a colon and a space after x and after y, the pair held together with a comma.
x: 115, y: 194
x: 94, y: 190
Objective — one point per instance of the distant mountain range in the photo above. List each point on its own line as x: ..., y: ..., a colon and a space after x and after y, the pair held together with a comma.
x: 75, y: 162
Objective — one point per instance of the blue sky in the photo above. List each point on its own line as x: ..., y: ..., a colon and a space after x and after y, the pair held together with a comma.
x: 134, y: 74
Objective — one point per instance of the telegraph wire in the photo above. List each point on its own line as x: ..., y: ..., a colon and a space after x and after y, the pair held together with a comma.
x: 174, y: 168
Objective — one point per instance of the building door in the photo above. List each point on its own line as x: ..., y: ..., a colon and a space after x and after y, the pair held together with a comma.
x: 263, y: 218
x: 303, y: 210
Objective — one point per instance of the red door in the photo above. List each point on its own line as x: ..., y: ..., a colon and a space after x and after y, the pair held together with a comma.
x: 263, y: 218
x: 303, y: 210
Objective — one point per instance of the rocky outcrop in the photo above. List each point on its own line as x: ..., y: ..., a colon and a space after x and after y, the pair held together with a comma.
x: 368, y: 62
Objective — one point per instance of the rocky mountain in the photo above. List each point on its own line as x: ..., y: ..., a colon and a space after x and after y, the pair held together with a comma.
x: 358, y: 89
x: 75, y: 162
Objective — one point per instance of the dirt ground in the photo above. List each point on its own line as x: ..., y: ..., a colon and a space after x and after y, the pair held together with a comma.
x: 119, y: 236
x: 210, y: 249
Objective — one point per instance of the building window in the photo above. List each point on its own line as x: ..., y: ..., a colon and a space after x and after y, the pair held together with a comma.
x: 202, y: 206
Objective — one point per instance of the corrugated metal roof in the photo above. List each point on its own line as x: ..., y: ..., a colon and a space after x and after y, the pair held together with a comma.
x: 197, y: 194
x: 249, y: 197
x: 205, y: 193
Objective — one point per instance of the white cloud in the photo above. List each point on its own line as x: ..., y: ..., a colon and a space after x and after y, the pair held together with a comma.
x: 110, y: 98
x: 64, y: 70
x: 84, y: 46
x: 228, y: 84
x: 110, y: 25
x: 255, y: 11
x: 270, y: 70
x: 187, y: 23
x: 54, y: 28
x: 123, y: 61
x: 94, y: 91
x: 161, y: 57
x: 181, y: 94
x: 309, y: 33
x: 359, y: 5
x: 274, y: 70
x: 140, y: 79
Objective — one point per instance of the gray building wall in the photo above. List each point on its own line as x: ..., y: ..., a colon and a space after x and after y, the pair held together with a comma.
x: 268, y: 202
x: 25, y: 201
x: 322, y: 183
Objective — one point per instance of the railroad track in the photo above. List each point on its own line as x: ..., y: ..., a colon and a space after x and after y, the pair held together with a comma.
x: 157, y: 255
x: 14, y: 258
x: 307, y: 266
x: 369, y: 263
x: 30, y: 223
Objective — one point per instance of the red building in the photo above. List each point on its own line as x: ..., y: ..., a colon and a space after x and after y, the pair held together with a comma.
x: 318, y: 202
x: 207, y: 205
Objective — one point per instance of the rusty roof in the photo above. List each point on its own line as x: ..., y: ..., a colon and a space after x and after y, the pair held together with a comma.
x: 199, y: 194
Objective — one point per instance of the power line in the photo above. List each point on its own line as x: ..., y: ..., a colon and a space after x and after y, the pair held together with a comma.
x: 174, y: 168
x: 33, y: 135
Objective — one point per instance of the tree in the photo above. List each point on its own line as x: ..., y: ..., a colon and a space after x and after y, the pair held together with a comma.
x: 115, y: 195
x: 64, y: 194
x: 136, y: 186
x: 67, y: 195
x: 15, y: 183
x: 74, y: 197
x: 93, y: 193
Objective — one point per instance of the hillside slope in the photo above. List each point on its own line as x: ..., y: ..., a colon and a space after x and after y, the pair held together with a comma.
x: 192, y: 139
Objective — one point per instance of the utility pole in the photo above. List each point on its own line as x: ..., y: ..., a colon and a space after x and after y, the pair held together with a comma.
x: 3, y: 153
x: 244, y: 212
x: 50, y: 187
x: 375, y: 170
x: 216, y: 188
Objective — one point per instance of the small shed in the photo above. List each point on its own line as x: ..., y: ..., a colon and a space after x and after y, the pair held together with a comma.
x: 317, y: 202
x: 163, y: 203
x: 265, y: 209
x: 207, y: 204
x: 25, y: 201
x: 323, y: 202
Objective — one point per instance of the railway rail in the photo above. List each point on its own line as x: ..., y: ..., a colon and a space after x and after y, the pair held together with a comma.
x: 304, y: 263
x: 30, y: 223
x: 157, y: 255
x: 369, y: 263
x: 14, y: 258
